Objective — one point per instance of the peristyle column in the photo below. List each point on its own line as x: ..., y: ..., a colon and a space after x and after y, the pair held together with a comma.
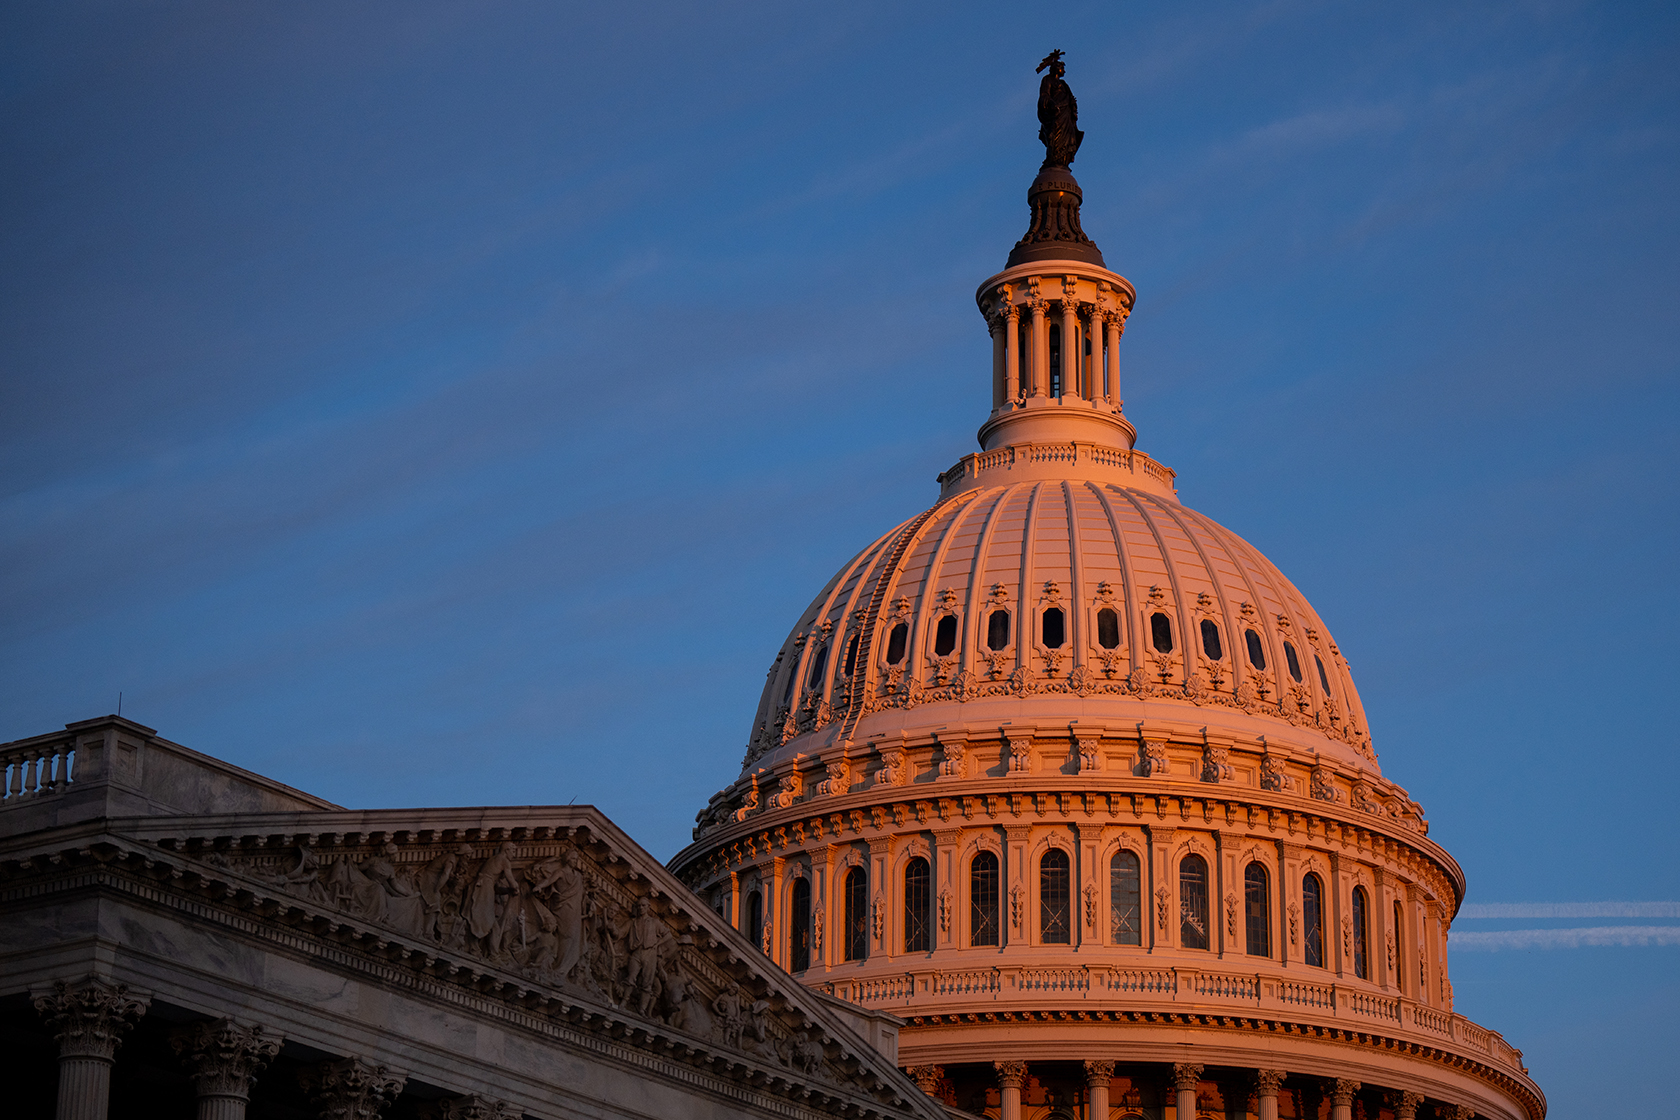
x: 1185, y: 1077
x: 1341, y: 1099
x: 1405, y: 1104
x: 927, y: 1078
x: 351, y: 1089
x: 1038, y: 376
x: 1097, y: 1077
x: 1267, y: 1082
x: 224, y: 1059
x: 88, y: 1018
x: 999, y: 332
x: 1011, y: 1076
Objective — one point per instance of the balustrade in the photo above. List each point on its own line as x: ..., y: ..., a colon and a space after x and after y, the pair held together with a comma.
x: 27, y: 771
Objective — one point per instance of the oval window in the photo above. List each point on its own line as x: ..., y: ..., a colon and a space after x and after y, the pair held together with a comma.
x: 1055, y: 628
x: 819, y: 662
x: 1160, y: 632
x: 851, y: 655
x: 945, y: 638
x: 896, y: 642
x: 1256, y: 652
x: 997, y: 630
x: 1294, y: 662
x: 1322, y: 679
x: 1210, y: 640
x: 1108, y: 628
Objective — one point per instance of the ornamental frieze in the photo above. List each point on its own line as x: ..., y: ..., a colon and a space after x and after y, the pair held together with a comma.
x: 546, y: 911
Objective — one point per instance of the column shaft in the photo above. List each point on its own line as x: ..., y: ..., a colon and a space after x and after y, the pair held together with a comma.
x: 1012, y: 354
x: 84, y: 1088
x: 1072, y: 359
x: 1186, y: 1104
x: 1113, y: 333
x: 1039, y: 376
x: 997, y: 362
x: 1011, y: 1098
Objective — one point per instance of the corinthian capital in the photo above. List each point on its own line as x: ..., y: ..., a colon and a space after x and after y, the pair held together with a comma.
x: 1011, y: 1075
x: 1405, y: 1104
x: 89, y: 1017
x: 472, y: 1107
x: 223, y: 1057
x: 351, y: 1089
x: 1186, y: 1075
x: 1098, y: 1072
x: 927, y: 1078
x: 1269, y: 1081
x: 1343, y: 1091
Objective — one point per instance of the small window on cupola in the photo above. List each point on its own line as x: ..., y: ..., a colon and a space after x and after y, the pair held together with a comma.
x: 896, y: 641
x: 1160, y: 632
x: 1055, y: 628
x: 851, y: 655
x: 1210, y: 640
x: 997, y: 630
x: 1256, y: 652
x: 945, y: 636
x: 819, y: 662
x: 1294, y: 662
x: 1108, y: 628
x: 1322, y: 679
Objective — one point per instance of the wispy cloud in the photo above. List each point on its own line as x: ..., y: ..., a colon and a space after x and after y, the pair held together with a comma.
x: 1571, y: 910
x: 1592, y: 937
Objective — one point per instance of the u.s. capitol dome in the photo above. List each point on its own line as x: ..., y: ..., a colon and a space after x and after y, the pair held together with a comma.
x: 1075, y: 781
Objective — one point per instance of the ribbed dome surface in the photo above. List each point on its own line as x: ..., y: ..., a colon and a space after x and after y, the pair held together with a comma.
x: 1082, y: 548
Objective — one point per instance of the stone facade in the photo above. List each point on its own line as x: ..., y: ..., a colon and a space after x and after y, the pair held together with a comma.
x: 177, y: 934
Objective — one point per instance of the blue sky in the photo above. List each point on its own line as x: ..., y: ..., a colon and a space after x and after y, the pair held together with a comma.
x: 430, y: 404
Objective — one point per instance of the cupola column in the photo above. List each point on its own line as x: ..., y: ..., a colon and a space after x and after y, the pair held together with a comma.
x: 1012, y: 353
x: 999, y: 344
x: 1011, y: 1076
x: 1072, y: 359
x: 1038, y: 373
x: 1112, y: 322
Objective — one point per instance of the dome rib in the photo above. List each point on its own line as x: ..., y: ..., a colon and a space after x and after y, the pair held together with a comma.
x: 976, y: 576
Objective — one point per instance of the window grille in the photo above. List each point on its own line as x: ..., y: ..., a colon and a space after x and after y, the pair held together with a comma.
x: 1125, y: 900
x: 918, y: 900
x: 1257, y: 910
x: 857, y: 914
x: 1193, y: 902
x: 1055, y: 925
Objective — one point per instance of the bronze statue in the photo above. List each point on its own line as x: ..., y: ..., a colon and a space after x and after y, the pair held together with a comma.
x: 1058, y: 114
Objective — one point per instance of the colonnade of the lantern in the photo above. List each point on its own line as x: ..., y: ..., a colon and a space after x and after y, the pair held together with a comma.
x: 1086, y: 361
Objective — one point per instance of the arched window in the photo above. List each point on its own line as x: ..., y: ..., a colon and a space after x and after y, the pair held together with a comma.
x: 1108, y: 628
x: 1256, y: 651
x: 945, y: 636
x: 819, y: 662
x: 1257, y: 910
x: 1323, y: 680
x: 997, y: 630
x: 1125, y: 898
x: 851, y: 655
x: 896, y: 641
x: 799, y: 946
x: 1055, y: 924
x: 918, y: 900
x: 1056, y: 380
x: 755, y: 917
x: 1360, y: 924
x: 1399, y: 949
x: 1294, y: 662
x: 1312, y: 918
x: 983, y: 899
x: 1160, y: 632
x: 857, y: 914
x: 1193, y: 902
x: 1055, y: 628
x: 1210, y: 640
x: 787, y: 689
